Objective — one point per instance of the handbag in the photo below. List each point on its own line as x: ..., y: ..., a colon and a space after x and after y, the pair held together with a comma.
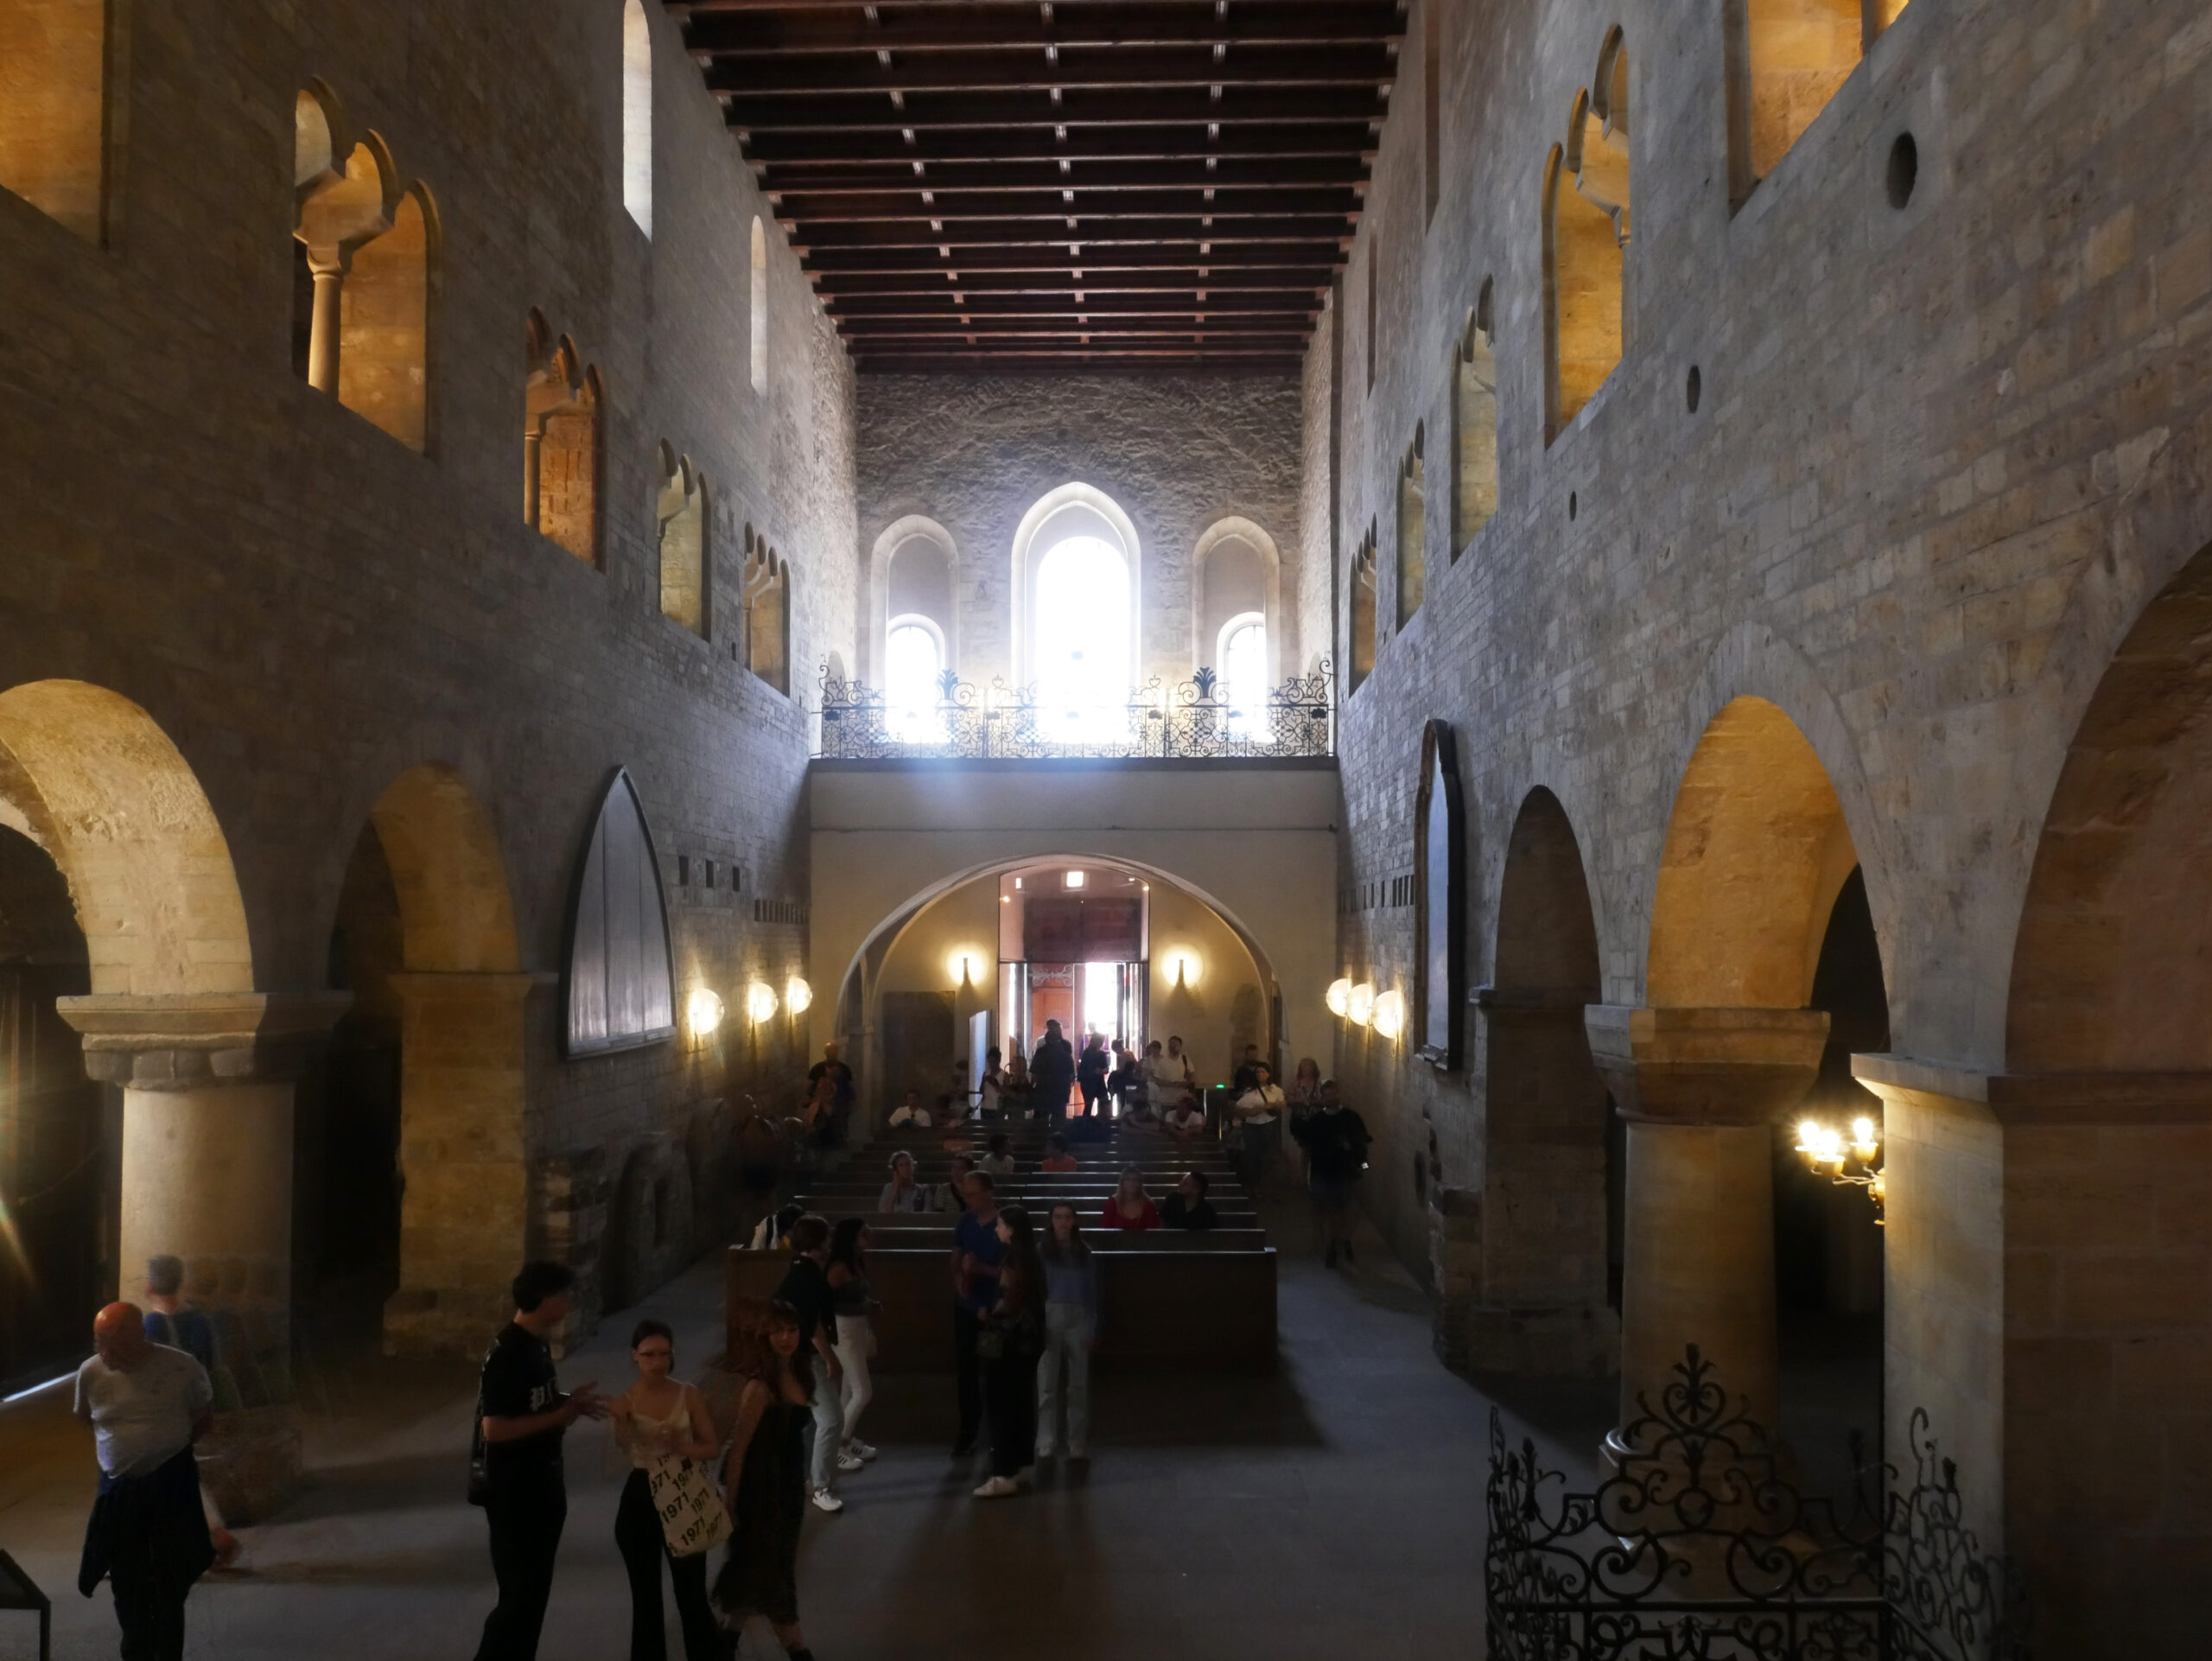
x: 693, y: 1519
x: 480, y: 1455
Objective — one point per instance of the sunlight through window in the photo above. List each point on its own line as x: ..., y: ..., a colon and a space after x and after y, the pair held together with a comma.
x: 1080, y: 620
x: 913, y: 657
x: 1244, y: 675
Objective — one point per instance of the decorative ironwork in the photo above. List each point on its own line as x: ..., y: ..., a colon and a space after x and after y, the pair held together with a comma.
x: 1192, y: 718
x: 1698, y: 1547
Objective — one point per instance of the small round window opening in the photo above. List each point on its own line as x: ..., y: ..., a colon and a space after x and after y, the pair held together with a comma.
x: 1903, y: 169
x: 1694, y: 389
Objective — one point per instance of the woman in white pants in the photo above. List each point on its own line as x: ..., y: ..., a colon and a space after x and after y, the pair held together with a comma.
x: 1071, y: 1330
x: 850, y: 1302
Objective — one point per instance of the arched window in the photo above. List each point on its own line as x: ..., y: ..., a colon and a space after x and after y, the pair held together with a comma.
x: 561, y: 404
x: 760, y: 313
x: 54, y: 110
x: 383, y: 330
x: 1474, y: 418
x: 1413, y: 533
x: 1076, y: 588
x: 682, y: 513
x: 637, y: 116
x: 1585, y: 239
x: 1236, y: 571
x: 768, y: 599
x: 913, y: 657
x: 1366, y: 625
x: 1787, y: 59
x: 1245, y: 681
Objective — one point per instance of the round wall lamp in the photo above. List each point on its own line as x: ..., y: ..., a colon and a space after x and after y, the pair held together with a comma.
x: 1338, y: 997
x: 1389, y: 1015
x: 759, y: 1001
x: 703, y: 1012
x: 798, y: 997
x: 1359, y: 1004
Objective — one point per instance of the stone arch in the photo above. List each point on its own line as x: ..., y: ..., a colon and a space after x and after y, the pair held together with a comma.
x: 1412, y: 562
x: 757, y: 310
x: 54, y: 126
x: 898, y: 535
x: 90, y: 777
x: 1540, y: 1294
x: 563, y: 404
x: 341, y: 206
x: 384, y: 322
x: 683, y: 522
x: 766, y: 593
x: 1366, y: 622
x: 1474, y: 422
x: 1586, y: 236
x: 1073, y: 509
x: 1260, y: 589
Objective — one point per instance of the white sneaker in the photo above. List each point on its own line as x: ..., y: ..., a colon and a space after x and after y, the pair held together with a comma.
x: 848, y: 1460
x: 825, y: 1500
x: 998, y: 1489
x: 857, y: 1446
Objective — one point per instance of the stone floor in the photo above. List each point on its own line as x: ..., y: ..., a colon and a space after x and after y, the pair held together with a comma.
x: 1335, y: 1511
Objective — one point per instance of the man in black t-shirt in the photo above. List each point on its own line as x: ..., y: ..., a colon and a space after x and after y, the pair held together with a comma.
x: 1188, y: 1207
x: 522, y: 1416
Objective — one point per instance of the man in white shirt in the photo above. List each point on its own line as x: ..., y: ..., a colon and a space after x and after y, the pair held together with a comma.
x: 1259, y: 1112
x: 911, y: 1111
x: 148, y: 1538
x: 1185, y: 1121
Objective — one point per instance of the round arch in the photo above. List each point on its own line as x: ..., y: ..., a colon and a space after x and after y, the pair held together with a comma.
x: 895, y: 536
x: 1235, y: 528
x: 93, y: 779
x: 456, y: 913
x: 1073, y: 509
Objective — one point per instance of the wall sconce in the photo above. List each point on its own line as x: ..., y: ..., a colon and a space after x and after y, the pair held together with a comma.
x: 1184, y: 967
x: 759, y: 1001
x: 1338, y: 997
x: 1827, y: 1152
x: 1389, y: 1018
x: 702, y: 1013
x: 961, y: 966
x: 798, y: 997
x: 1359, y: 1004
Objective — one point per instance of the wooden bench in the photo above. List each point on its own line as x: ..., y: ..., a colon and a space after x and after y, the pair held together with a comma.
x: 1164, y: 1306
x: 889, y: 1234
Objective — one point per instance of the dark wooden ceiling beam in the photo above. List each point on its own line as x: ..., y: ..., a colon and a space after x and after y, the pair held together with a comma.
x: 992, y: 354
x: 1338, y: 140
x: 1080, y: 107
x: 1091, y: 68
x: 1023, y: 27
x: 826, y: 181
x: 1298, y: 303
x: 1308, y: 280
x: 1090, y: 231
x: 1148, y: 256
x: 949, y: 207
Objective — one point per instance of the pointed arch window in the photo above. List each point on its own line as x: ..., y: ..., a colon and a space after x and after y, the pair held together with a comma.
x: 1586, y: 221
x: 759, y: 306
x: 1474, y: 421
x: 1076, y: 576
x: 637, y: 116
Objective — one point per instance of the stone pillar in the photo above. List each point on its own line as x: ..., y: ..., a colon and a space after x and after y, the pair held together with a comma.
x: 327, y: 266
x: 465, y: 1204
x: 207, y: 1085
x: 1700, y: 1090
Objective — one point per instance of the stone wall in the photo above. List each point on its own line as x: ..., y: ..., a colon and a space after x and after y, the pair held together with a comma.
x: 308, y: 609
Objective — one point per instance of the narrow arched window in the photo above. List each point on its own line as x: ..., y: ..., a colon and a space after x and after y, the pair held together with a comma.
x: 1474, y: 420
x: 54, y: 110
x: 1413, y: 533
x: 759, y: 367
x: 1079, y: 631
x: 682, y: 512
x: 913, y: 657
x: 1243, y: 659
x: 637, y: 116
x: 1586, y: 220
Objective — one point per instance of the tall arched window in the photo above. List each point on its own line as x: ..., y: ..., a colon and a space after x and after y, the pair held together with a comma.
x: 913, y: 657
x: 637, y: 116
x: 682, y: 512
x: 1244, y: 680
x: 54, y: 110
x: 1076, y: 587
x: 1586, y: 242
x: 561, y: 403
x: 1413, y: 533
x: 760, y: 312
x: 1474, y: 423
x: 1236, y: 571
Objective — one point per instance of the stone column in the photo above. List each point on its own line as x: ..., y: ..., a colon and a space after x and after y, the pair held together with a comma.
x: 327, y: 266
x: 207, y: 1083
x: 1700, y: 1090
x: 464, y: 1213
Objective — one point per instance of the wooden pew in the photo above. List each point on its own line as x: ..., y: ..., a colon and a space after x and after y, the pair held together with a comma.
x: 1164, y: 1306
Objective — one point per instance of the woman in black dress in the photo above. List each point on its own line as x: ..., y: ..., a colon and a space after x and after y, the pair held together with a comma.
x: 764, y: 1479
x: 1012, y: 1340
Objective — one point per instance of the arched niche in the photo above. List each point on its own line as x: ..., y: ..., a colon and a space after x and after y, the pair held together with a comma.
x: 1474, y: 423
x: 766, y: 594
x: 1439, y: 900
x: 637, y: 116
x: 913, y: 572
x: 1412, y: 574
x: 1585, y: 229
x: 1236, y: 571
x: 621, y: 976
x: 681, y: 520
x: 562, y: 404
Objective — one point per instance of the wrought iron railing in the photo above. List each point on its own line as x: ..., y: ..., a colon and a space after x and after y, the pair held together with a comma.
x: 1195, y: 717
x: 1698, y: 1548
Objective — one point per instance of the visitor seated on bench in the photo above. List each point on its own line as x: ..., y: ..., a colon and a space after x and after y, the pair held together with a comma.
x: 1057, y: 1158
x: 902, y: 1193
x: 1131, y: 1209
x: 998, y: 1161
x: 911, y: 1111
x: 951, y: 1197
x: 955, y: 1109
x: 776, y: 1231
x: 1188, y: 1207
x: 1186, y: 1120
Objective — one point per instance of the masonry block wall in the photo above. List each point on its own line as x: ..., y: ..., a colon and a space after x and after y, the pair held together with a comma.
x: 1178, y: 453
x: 309, y: 608
x: 1947, y: 443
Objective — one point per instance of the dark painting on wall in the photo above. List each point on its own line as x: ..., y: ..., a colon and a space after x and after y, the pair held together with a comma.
x: 1439, y: 910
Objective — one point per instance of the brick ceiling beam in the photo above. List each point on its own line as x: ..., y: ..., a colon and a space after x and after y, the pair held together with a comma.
x: 1369, y: 65
x: 1089, y: 230
x: 948, y: 207
x: 1186, y: 107
x: 1021, y: 25
x: 1340, y: 141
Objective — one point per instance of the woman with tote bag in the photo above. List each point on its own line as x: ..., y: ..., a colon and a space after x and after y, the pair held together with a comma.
x: 669, y: 1508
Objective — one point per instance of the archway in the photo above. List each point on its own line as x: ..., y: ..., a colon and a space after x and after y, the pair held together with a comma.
x: 424, y: 939
x: 1549, y: 1240
x: 1757, y: 853
x: 2099, y: 1152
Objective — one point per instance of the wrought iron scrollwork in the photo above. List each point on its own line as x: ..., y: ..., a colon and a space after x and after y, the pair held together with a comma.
x: 1698, y: 1547
x: 1192, y: 718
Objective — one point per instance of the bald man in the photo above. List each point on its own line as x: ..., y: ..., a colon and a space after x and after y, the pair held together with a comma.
x: 147, y: 1539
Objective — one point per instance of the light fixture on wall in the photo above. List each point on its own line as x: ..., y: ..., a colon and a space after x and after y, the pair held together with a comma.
x: 960, y: 966
x: 1184, y: 968
x: 1338, y: 997
x: 1830, y: 1152
x: 1359, y: 1004
x: 759, y: 1001
x: 798, y: 997
x: 702, y: 1013
x: 1389, y: 1018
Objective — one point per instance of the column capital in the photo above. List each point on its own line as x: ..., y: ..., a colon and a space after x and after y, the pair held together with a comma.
x: 189, y: 1041
x: 2108, y: 1096
x: 1705, y: 1066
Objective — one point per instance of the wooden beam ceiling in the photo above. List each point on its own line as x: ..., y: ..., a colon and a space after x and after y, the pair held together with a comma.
x: 1115, y: 184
